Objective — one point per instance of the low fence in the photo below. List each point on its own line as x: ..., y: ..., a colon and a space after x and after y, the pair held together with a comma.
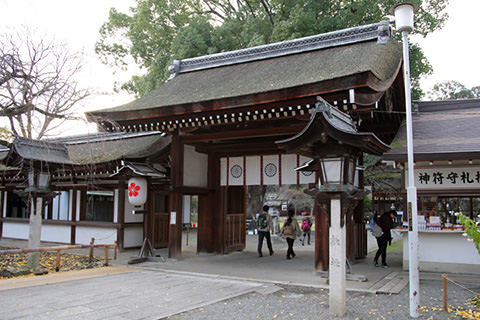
x: 447, y: 279
x: 59, y: 249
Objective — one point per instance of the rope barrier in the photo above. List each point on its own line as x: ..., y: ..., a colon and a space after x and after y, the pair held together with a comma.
x: 445, y: 296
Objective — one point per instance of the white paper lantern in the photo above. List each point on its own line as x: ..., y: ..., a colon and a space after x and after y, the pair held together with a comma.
x: 137, y: 191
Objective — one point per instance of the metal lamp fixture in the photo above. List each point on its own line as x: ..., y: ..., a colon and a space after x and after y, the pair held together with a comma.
x: 38, y: 182
x: 339, y: 170
x: 404, y: 16
x: 335, y: 172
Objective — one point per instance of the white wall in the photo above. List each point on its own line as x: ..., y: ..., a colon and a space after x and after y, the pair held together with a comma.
x: 77, y: 209
x: 444, y: 251
x: 60, y: 206
x: 15, y: 230
x: 84, y: 234
x: 4, y: 197
x: 195, y: 168
x: 54, y: 233
x: 133, y: 237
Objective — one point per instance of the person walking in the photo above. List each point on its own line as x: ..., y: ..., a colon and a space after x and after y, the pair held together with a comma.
x: 264, y: 225
x: 385, y: 222
x: 290, y: 231
x: 306, y: 227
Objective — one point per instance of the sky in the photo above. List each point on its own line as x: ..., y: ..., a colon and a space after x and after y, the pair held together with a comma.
x: 452, y: 51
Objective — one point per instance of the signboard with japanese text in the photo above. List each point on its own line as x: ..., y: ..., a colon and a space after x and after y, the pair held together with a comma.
x: 447, y: 177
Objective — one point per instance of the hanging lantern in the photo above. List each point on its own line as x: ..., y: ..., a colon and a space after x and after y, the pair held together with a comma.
x: 137, y: 191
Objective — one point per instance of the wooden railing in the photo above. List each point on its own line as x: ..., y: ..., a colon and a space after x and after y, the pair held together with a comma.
x: 59, y: 249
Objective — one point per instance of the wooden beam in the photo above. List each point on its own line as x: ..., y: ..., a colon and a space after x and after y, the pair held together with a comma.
x: 240, y: 148
x: 245, y: 133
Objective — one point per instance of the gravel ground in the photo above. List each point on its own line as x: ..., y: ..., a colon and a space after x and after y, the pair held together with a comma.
x: 307, y: 303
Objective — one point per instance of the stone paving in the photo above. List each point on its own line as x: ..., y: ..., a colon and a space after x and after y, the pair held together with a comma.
x: 166, y: 287
x: 137, y: 294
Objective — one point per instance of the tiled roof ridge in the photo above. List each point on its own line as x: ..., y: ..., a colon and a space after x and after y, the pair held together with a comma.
x: 100, y: 137
x: 380, y: 31
x: 53, y: 145
x: 446, y: 105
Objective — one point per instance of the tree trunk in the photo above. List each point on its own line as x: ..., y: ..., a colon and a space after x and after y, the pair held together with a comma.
x: 35, y: 231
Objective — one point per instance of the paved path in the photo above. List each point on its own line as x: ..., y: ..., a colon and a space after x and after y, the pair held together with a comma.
x: 137, y: 294
x: 159, y: 290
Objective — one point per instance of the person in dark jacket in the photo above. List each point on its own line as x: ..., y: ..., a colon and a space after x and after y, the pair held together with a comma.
x: 385, y: 221
x: 264, y: 232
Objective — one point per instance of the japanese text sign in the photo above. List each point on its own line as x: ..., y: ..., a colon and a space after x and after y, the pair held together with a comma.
x: 447, y: 177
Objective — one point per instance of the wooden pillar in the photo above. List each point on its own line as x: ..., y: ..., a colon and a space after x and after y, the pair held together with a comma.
x: 204, y: 224
x: 121, y: 213
x: 175, y: 203
x: 3, y: 194
x: 175, y: 226
x: 321, y: 236
x: 350, y: 234
x: 206, y: 206
x: 73, y: 229
x: 148, y: 215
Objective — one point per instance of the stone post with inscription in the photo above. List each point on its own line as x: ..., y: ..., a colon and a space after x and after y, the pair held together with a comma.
x: 337, y: 270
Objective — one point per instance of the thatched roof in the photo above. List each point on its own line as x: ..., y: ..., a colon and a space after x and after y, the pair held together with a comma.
x: 90, y: 149
x: 275, y: 67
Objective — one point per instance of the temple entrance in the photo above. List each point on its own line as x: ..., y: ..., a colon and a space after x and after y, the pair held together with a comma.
x: 230, y: 128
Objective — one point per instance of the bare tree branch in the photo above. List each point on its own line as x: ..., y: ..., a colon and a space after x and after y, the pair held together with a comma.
x: 37, y: 83
x: 267, y: 10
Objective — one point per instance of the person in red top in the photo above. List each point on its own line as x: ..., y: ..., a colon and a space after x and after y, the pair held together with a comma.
x: 386, y: 223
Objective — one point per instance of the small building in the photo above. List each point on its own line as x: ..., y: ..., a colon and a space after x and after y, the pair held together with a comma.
x: 447, y: 177
x: 89, y: 175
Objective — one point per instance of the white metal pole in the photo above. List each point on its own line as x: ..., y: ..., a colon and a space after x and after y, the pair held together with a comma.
x: 411, y: 191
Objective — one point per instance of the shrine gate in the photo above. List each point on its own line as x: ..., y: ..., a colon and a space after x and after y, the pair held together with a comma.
x: 226, y: 111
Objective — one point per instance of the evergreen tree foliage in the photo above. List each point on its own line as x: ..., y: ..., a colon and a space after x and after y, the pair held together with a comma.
x: 453, y: 90
x: 155, y: 32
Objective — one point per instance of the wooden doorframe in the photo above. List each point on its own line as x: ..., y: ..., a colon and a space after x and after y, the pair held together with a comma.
x: 234, y: 218
x: 159, y: 220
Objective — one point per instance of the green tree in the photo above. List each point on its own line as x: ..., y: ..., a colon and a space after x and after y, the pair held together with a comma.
x: 472, y: 229
x: 155, y: 32
x: 453, y: 90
